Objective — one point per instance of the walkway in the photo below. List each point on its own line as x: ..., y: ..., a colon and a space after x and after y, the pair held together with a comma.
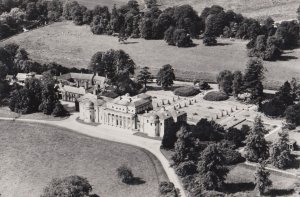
x: 116, y: 135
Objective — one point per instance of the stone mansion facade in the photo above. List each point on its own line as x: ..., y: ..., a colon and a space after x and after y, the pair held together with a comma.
x: 129, y: 113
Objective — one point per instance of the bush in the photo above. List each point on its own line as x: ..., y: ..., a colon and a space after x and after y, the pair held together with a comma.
x: 186, y: 168
x: 125, y: 174
x: 216, y: 96
x: 209, y: 41
x: 232, y: 157
x: 203, y: 85
x: 59, y: 110
x: 186, y: 91
x: 167, y: 189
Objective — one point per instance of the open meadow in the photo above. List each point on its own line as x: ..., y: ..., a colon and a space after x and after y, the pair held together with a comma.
x: 73, y: 46
x: 277, y: 9
x: 33, y: 154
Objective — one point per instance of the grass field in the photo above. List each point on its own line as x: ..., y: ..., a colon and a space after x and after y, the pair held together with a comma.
x: 110, y: 3
x: 32, y: 154
x: 73, y: 46
x: 278, y: 9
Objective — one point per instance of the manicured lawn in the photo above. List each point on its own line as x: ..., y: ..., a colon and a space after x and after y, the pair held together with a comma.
x: 73, y: 46
x: 32, y: 154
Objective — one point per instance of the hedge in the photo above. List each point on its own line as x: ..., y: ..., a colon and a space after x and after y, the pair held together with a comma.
x: 186, y: 91
x: 216, y: 96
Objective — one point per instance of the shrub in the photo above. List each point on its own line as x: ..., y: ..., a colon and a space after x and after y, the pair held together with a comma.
x: 186, y: 168
x: 125, y: 174
x: 167, y: 189
x: 110, y: 94
x: 232, y: 157
x: 203, y: 85
x: 186, y: 91
x: 59, y: 110
x: 209, y: 41
x: 216, y: 96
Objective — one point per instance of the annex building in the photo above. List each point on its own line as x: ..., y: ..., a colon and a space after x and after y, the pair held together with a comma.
x: 130, y: 113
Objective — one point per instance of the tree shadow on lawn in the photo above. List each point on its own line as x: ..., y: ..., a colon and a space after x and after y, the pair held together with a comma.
x: 280, y: 192
x: 137, y: 181
x: 130, y: 42
x: 287, y: 58
x: 223, y: 44
x: 238, y: 187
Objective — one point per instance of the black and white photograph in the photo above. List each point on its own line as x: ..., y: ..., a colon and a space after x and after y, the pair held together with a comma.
x: 149, y: 98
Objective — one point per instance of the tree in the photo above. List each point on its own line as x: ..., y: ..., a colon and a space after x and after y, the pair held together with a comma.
x: 31, y: 11
x: 256, y: 146
x: 182, y: 38
x: 288, y: 34
x: 224, y: 79
x: 166, y: 76
x: 212, y: 172
x: 237, y: 83
x: 285, y: 94
x: 280, y: 155
x: 3, y: 71
x: 209, y: 40
x: 144, y: 76
x: 262, y: 180
x: 67, y: 9
x: 125, y: 174
x: 27, y: 99
x: 72, y: 186
x: 254, y: 74
x: 183, y: 145
x: 167, y: 189
x: 298, y: 12
x: 96, y: 64
x: 169, y: 35
x: 59, y: 110
x: 237, y: 136
x: 208, y: 131
x: 49, y: 94
x: 292, y: 114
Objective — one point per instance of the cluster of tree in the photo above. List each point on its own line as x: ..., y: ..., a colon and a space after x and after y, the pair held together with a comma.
x: 165, y: 76
x: 269, y: 44
x: 258, y: 150
x: 15, y: 15
x: 37, y: 96
x: 201, y: 153
x: 251, y: 82
x: 167, y: 189
x: 72, y: 186
x: 182, y: 22
x: 117, y: 67
x: 229, y: 24
x: 280, y: 102
x: 16, y: 60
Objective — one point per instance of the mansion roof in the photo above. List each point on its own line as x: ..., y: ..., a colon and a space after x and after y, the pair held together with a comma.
x: 72, y: 89
x: 81, y: 76
x: 164, y: 114
x: 98, y: 100
x: 135, y: 101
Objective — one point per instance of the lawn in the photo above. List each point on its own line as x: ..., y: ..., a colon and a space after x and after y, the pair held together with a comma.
x: 110, y: 3
x: 241, y: 179
x: 73, y: 46
x: 33, y: 154
x: 279, y: 10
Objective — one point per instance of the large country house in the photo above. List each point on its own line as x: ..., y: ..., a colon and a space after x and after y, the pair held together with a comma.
x: 129, y: 113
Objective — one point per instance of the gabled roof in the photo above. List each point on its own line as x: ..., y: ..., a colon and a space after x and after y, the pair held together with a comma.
x: 72, y: 89
x: 81, y: 76
x: 165, y: 114
x: 98, y: 100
